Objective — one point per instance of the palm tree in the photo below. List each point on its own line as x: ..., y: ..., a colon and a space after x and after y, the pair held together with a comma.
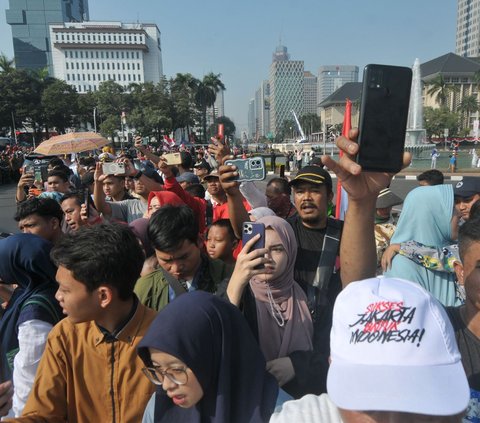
x: 205, y: 96
x: 467, y: 106
x: 6, y: 65
x: 182, y: 89
x: 441, y: 90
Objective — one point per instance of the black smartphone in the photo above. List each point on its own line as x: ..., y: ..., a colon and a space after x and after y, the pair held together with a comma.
x: 382, y: 126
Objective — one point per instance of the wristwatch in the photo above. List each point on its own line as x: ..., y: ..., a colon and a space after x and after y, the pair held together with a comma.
x: 138, y: 175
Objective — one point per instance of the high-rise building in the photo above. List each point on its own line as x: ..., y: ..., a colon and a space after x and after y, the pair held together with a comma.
x: 332, y: 77
x: 89, y: 53
x: 286, y: 88
x: 311, y: 103
x: 29, y: 20
x: 251, y: 119
x: 262, y: 109
x: 217, y: 110
x: 468, y: 28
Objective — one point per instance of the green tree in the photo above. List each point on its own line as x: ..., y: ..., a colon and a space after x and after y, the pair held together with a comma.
x: 436, y: 120
x: 182, y: 92
x: 151, y: 108
x: 205, y: 95
x: 440, y: 90
x: 60, y: 105
x: 288, y: 131
x: 467, y: 106
x: 310, y: 123
x: 20, y: 97
x: 86, y: 104
x: 111, y: 100
x: 228, y: 126
x: 6, y: 64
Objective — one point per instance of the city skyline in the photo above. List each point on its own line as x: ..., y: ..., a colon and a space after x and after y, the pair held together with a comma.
x: 237, y: 39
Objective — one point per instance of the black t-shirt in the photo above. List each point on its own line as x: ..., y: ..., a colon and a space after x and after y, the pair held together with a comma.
x: 469, y: 346
x: 310, y: 242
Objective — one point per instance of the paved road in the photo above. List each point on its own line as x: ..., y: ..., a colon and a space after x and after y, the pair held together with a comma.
x: 7, y: 208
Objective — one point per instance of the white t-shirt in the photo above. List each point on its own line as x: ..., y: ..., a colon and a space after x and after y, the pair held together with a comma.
x: 308, y: 409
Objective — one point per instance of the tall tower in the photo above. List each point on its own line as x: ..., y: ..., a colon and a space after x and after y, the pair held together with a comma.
x: 332, y: 77
x: 251, y: 119
x: 310, y: 93
x: 262, y: 109
x: 287, y: 88
x: 29, y: 21
x: 468, y: 28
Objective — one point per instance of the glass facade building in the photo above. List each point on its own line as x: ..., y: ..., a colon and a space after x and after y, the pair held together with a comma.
x: 29, y: 20
x: 287, y: 89
x: 332, y: 77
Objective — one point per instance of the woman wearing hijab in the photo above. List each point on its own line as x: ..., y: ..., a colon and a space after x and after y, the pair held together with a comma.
x: 31, y: 312
x: 206, y: 365
x: 157, y: 199
x: 428, y: 218
x: 276, y: 309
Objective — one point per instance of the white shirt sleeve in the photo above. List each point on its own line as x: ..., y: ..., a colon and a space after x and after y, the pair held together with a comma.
x: 149, y: 414
x: 308, y: 409
x: 253, y: 195
x: 32, y: 337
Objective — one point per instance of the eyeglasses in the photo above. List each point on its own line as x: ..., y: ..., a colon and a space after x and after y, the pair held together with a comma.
x: 176, y: 375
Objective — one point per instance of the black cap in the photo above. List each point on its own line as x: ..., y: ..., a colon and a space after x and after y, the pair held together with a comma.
x: 203, y: 163
x: 467, y: 187
x: 314, y: 175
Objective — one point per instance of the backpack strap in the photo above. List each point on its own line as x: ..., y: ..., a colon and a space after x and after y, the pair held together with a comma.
x: 326, y: 265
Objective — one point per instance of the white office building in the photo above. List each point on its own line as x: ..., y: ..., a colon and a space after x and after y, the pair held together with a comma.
x: 468, y: 28
x: 286, y: 88
x: 86, y: 54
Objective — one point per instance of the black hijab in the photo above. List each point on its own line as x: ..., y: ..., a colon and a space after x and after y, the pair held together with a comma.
x: 213, y: 339
x: 25, y: 261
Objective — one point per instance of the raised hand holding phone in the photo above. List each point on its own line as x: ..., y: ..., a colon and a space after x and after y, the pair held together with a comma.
x: 383, y: 117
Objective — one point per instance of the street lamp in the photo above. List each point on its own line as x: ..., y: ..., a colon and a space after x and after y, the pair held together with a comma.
x: 94, y: 119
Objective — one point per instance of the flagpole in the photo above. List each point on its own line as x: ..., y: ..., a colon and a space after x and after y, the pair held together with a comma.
x: 347, y: 125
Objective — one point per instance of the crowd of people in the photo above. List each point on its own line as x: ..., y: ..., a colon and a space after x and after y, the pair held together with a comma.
x: 11, y: 161
x: 132, y: 295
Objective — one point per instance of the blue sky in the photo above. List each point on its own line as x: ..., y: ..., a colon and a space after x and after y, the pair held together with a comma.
x: 237, y: 38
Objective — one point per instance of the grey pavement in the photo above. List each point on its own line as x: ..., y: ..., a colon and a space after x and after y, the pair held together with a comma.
x: 7, y: 208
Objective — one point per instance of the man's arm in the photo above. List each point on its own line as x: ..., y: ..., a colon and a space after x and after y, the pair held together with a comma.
x: 149, y: 183
x: 236, y: 209
x: 6, y: 395
x: 26, y: 180
x: 98, y: 194
x: 145, y: 151
x: 358, y: 256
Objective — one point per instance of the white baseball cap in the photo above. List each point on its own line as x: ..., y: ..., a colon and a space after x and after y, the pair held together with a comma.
x: 393, y: 348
